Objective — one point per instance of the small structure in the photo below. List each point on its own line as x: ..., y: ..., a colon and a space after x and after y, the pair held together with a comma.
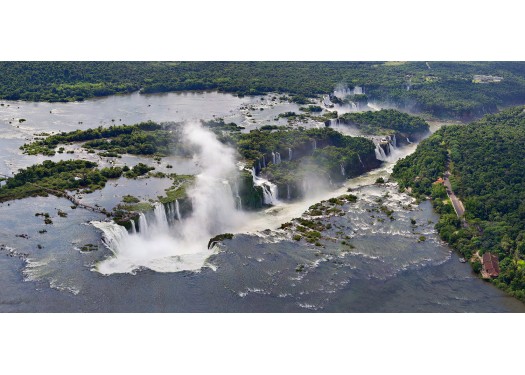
x: 440, y: 181
x: 490, y: 265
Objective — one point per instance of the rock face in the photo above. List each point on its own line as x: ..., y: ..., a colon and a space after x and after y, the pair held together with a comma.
x: 251, y: 196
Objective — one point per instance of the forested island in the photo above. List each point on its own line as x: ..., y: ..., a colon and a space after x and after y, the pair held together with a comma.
x: 386, y: 122
x: 460, y: 90
x: 485, y: 160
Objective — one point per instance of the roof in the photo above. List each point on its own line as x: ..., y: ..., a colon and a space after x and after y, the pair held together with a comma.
x: 490, y: 264
x: 439, y: 181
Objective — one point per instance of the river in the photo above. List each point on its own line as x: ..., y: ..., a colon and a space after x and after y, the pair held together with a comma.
x: 388, y: 270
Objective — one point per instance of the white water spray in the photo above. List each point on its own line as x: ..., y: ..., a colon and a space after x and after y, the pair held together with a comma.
x: 177, y: 210
x: 183, y: 247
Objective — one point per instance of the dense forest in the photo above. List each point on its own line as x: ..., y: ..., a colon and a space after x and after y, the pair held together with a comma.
x: 486, y: 164
x: 385, y: 121
x: 443, y: 89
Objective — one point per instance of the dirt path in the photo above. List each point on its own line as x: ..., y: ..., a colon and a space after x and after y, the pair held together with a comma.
x: 456, y: 203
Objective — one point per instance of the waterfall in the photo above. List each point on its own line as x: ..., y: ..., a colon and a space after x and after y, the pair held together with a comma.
x: 358, y: 90
x: 408, y: 140
x: 259, y: 162
x: 394, y: 141
x: 326, y: 101
x: 343, y: 172
x: 354, y: 106
x: 314, y: 144
x: 277, y: 158
x: 290, y: 153
x: 160, y: 248
x: 169, y: 214
x: 264, y: 161
x: 269, y: 190
x: 113, y: 234
x: 143, y: 224
x: 160, y: 217
x: 273, y: 157
x: 288, y: 191
x: 333, y: 122
x: 359, y: 157
x: 238, y: 197
x: 380, y: 153
x: 177, y: 210
x: 133, y: 228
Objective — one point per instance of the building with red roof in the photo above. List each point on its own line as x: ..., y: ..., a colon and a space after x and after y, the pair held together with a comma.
x: 490, y: 265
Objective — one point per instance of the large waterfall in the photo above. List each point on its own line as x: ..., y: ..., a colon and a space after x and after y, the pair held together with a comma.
x: 164, y: 248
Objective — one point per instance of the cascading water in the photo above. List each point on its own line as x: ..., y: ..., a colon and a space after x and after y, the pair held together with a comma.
x: 133, y: 228
x: 358, y: 90
x: 314, y: 144
x: 359, y: 157
x: 273, y: 158
x: 380, y: 153
x: 185, y: 246
x: 264, y: 161
x: 343, y: 172
x: 290, y: 154
x: 237, y: 196
x: 143, y: 224
x: 161, y: 219
x: 408, y: 140
x: 269, y: 189
x: 177, y: 210
x: 288, y: 191
x: 277, y: 158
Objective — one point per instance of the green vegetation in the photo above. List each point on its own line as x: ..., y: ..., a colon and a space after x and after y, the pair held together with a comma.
x: 219, y: 238
x: 146, y: 138
x: 333, y: 150
x: 130, y: 199
x: 487, y: 174
x: 50, y: 177
x: 448, y: 89
x: 178, y: 190
x: 385, y: 121
x: 138, y: 170
x: 88, y: 248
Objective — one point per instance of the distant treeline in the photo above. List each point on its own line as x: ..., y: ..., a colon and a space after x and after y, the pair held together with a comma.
x: 442, y: 89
